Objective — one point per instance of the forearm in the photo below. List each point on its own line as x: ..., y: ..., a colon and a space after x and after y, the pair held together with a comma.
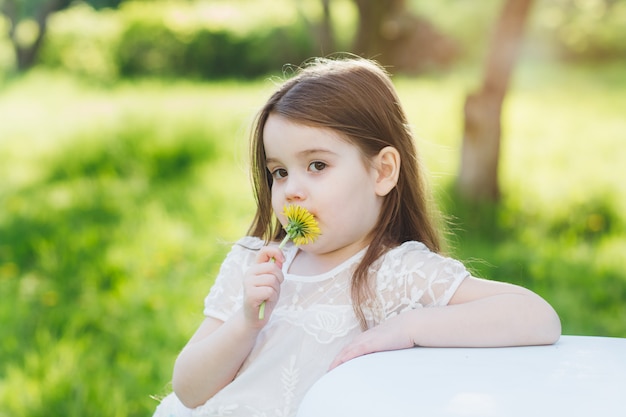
x: 206, y: 366
x: 513, y: 319
x: 481, y: 314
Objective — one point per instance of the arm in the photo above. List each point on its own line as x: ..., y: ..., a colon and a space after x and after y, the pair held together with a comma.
x: 480, y: 314
x: 214, y: 354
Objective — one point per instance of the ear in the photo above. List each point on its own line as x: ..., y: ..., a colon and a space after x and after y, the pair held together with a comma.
x: 387, y: 165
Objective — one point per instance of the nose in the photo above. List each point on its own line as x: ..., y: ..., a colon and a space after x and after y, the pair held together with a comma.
x: 294, y: 189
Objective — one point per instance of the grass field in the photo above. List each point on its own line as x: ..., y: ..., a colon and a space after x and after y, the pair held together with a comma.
x: 119, y: 203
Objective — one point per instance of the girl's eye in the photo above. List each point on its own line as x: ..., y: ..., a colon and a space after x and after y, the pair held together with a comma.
x: 279, y: 173
x: 317, y: 166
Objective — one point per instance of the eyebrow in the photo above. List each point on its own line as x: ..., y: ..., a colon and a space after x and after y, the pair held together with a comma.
x: 305, y: 153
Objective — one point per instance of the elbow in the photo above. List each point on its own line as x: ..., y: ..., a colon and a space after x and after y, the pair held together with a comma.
x: 183, y: 392
x: 549, y: 324
x: 553, y: 327
x: 538, y: 321
x: 183, y: 395
x: 185, y: 389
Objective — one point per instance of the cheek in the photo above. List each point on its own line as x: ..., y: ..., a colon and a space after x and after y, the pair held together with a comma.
x: 359, y: 190
x: 276, y: 204
x: 354, y: 201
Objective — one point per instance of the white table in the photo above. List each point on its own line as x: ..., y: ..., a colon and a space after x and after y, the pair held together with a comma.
x: 580, y: 376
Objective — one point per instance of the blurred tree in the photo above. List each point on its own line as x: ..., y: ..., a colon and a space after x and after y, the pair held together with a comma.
x: 327, y: 37
x: 321, y: 31
x: 478, y: 175
x: 28, y: 21
x: 585, y: 30
x: 390, y: 33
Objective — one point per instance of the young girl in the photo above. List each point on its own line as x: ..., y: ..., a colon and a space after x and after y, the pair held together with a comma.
x: 334, y: 140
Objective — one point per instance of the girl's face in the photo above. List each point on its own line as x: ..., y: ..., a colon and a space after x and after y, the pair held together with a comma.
x: 318, y: 170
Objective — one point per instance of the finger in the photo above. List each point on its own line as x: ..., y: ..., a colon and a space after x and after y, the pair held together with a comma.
x: 258, y: 286
x: 262, y: 287
x: 364, y: 343
x: 261, y: 274
x: 260, y: 299
x: 335, y: 363
x: 342, y: 358
x: 267, y: 253
x: 348, y: 353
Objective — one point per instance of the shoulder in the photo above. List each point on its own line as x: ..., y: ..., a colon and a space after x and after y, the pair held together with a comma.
x: 248, y: 243
x: 242, y: 253
x: 244, y: 248
x: 413, y: 255
x: 409, y: 250
x: 411, y: 274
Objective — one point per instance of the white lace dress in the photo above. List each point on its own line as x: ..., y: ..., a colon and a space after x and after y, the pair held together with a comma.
x: 311, y: 323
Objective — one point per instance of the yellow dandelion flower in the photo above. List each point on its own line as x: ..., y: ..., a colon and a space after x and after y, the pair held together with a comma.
x: 301, y: 226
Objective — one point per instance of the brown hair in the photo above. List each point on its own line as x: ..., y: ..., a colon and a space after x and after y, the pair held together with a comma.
x: 355, y: 98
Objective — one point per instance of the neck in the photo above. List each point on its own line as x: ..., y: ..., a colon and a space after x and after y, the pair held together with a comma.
x: 308, y: 263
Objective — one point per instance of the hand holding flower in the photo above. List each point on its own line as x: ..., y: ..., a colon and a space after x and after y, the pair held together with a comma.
x: 301, y: 227
x: 261, y: 283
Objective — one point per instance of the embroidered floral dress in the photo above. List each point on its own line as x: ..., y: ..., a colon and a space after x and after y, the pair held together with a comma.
x: 311, y: 323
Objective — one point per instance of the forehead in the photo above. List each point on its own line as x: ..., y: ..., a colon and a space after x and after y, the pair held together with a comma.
x: 283, y: 136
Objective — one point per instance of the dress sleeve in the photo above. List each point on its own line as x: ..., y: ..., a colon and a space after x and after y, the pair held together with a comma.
x: 226, y: 294
x: 411, y: 276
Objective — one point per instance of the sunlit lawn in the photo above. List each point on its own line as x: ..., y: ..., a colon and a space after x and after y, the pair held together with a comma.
x: 119, y: 202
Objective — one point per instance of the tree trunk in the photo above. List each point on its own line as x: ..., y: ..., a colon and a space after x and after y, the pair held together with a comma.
x: 400, y: 40
x: 26, y: 55
x: 478, y: 176
x: 327, y: 37
x: 373, y: 32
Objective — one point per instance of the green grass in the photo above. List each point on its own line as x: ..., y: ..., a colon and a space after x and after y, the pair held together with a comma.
x: 119, y: 203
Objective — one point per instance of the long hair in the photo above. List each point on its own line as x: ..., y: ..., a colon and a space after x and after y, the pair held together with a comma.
x: 355, y: 98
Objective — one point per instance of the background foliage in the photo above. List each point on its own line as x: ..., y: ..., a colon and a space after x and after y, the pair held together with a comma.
x: 119, y: 203
x: 243, y: 38
x: 181, y: 39
x: 120, y: 193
